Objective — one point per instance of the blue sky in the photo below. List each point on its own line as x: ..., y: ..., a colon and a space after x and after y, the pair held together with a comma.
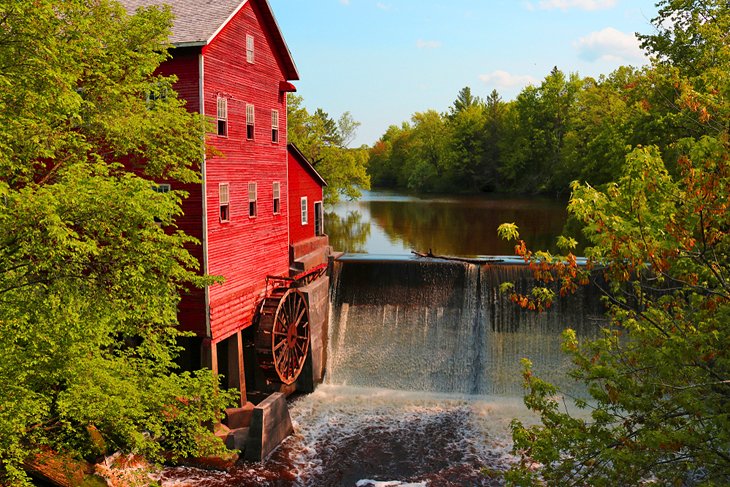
x: 383, y: 60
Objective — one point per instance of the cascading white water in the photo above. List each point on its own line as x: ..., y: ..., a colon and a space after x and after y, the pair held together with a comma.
x: 444, y: 327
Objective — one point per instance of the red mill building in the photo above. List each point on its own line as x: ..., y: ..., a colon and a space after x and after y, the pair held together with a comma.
x: 266, y: 323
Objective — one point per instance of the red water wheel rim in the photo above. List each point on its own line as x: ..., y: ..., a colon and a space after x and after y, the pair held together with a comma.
x: 282, y: 341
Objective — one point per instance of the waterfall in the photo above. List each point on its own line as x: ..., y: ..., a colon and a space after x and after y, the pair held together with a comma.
x: 443, y: 326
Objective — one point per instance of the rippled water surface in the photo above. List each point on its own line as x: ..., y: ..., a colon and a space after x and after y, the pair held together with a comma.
x: 347, y: 436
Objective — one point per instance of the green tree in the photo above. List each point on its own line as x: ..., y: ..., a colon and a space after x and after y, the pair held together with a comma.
x: 324, y: 142
x: 388, y: 155
x: 495, y: 113
x: 692, y: 35
x: 465, y: 99
x: 465, y: 152
x: 89, y: 284
x: 658, y: 379
x: 424, y: 164
x: 595, y: 145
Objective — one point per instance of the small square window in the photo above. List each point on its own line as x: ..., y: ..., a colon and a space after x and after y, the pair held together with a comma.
x: 250, y: 118
x: 305, y: 214
x: 252, y: 197
x: 223, y: 116
x: 277, y: 198
x: 275, y: 126
x: 249, y: 48
x: 224, y: 202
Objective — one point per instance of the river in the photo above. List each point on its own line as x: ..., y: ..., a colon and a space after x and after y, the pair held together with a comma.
x: 423, y: 374
x: 390, y: 223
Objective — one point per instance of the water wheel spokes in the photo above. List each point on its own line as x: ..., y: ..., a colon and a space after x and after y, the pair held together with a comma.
x: 282, y: 338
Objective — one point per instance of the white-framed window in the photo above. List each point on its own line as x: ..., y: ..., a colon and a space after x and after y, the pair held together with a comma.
x: 224, y: 202
x: 252, y: 198
x: 318, y: 218
x: 249, y: 48
x: 275, y: 126
x: 250, y: 120
x: 222, y: 116
x: 276, y: 190
x: 305, y: 212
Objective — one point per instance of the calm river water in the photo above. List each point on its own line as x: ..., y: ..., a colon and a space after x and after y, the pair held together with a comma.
x: 391, y: 223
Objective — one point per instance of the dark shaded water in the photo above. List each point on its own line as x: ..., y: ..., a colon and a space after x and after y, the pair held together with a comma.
x: 392, y: 223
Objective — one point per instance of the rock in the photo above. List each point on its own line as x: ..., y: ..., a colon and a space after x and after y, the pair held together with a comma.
x: 237, y: 439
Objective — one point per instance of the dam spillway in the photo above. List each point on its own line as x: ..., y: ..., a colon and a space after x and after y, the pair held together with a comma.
x: 433, y: 325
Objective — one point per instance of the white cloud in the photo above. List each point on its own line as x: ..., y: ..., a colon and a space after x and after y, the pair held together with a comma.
x: 568, y: 4
x: 383, y: 6
x: 610, y: 45
x: 421, y: 44
x: 503, y: 79
x: 345, y: 2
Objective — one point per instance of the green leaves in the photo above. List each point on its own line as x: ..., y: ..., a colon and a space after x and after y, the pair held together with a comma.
x: 324, y: 142
x: 89, y: 284
x: 657, y: 378
x: 508, y: 231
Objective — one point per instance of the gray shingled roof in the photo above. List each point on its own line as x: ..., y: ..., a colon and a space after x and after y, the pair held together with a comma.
x: 195, y: 20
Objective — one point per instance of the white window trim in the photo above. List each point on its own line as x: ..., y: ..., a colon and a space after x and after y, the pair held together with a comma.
x: 250, y: 120
x: 224, y: 199
x: 275, y: 126
x: 304, y: 210
x: 321, y: 218
x: 249, y: 48
x: 222, y: 115
x: 276, y: 195
x: 253, y: 190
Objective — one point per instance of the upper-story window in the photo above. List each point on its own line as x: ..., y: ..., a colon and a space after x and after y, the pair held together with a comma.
x: 250, y: 118
x: 249, y: 48
x: 252, y: 197
x: 222, y: 116
x: 277, y: 197
x: 275, y: 126
x: 224, y: 202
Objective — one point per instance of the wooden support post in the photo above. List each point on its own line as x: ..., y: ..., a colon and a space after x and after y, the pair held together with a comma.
x: 214, y: 357
x: 236, y: 371
x: 241, y: 369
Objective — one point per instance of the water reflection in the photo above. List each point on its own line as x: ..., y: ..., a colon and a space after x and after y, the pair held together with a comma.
x: 392, y: 223
x: 348, y: 231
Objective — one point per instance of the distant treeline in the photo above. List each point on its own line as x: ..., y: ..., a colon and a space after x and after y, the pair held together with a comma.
x: 567, y: 128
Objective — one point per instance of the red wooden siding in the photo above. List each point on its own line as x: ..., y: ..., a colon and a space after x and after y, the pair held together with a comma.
x: 301, y: 183
x: 244, y: 250
x: 184, y: 64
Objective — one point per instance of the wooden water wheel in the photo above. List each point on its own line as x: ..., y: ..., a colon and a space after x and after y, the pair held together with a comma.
x: 282, y: 338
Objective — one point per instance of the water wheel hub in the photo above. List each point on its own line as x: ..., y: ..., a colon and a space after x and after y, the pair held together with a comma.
x: 282, y: 338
